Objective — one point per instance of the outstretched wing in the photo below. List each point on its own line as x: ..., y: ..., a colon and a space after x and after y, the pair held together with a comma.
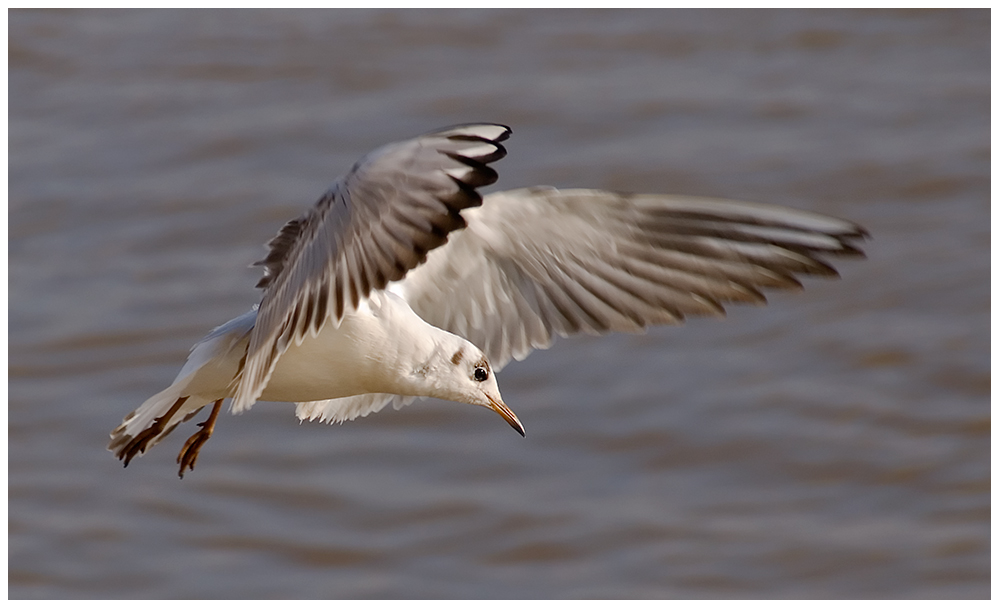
x: 540, y: 262
x: 373, y: 226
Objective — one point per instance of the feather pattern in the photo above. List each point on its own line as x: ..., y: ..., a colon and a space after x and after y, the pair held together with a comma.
x: 537, y: 263
x: 347, y: 409
x: 374, y: 225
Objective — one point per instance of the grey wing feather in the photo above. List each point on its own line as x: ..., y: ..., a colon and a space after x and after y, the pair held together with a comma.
x: 372, y: 227
x: 536, y: 263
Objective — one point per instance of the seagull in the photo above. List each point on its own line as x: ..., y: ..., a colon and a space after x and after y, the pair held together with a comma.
x: 402, y: 281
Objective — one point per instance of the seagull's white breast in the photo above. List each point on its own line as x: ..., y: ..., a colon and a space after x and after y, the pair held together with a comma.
x: 366, y: 353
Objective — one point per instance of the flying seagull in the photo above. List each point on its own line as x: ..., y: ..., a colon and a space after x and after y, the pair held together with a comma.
x: 403, y: 282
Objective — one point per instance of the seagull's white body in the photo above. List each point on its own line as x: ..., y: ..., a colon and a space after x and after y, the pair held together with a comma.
x: 358, y: 350
x: 402, y: 282
x: 340, y: 361
x: 379, y: 353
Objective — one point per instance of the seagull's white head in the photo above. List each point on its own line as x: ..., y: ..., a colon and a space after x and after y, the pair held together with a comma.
x: 468, y: 378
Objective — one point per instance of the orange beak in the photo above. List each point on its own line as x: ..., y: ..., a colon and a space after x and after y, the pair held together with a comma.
x: 508, y: 415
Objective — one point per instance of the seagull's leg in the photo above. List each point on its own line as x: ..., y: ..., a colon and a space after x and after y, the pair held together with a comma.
x: 140, y: 441
x: 189, y: 454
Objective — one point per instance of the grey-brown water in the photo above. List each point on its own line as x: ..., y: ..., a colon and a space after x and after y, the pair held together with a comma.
x: 834, y: 444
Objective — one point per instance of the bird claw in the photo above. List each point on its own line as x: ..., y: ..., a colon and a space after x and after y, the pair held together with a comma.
x: 189, y: 454
x: 140, y: 442
x: 192, y: 447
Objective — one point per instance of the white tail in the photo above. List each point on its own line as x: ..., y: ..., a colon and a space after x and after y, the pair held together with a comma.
x: 205, y: 378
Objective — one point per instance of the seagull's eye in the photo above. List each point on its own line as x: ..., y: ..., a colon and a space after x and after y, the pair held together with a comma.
x: 480, y: 374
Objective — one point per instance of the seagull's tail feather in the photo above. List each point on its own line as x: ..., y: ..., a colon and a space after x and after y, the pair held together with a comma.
x: 204, y: 378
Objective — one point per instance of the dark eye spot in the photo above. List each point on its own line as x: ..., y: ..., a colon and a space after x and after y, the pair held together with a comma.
x: 480, y: 374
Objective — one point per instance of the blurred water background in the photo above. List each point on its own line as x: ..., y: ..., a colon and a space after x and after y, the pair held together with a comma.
x: 834, y: 444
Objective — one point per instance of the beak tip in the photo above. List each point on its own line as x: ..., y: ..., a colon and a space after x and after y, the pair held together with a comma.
x: 514, y: 423
x: 507, y: 414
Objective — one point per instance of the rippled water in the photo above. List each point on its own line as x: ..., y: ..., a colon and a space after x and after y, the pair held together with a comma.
x: 834, y: 444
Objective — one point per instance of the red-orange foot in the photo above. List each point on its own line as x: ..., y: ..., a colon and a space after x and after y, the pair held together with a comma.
x: 189, y: 453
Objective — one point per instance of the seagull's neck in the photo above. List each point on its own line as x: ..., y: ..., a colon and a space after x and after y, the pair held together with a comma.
x: 421, y: 353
